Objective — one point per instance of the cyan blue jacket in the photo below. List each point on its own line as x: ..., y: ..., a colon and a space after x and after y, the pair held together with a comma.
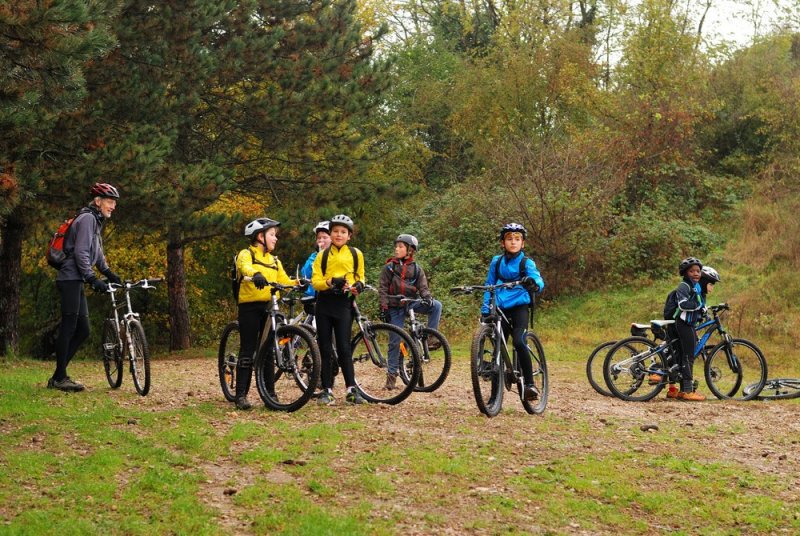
x: 510, y: 271
x: 305, y: 272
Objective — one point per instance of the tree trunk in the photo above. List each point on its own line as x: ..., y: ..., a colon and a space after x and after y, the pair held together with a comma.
x: 178, y: 304
x: 10, y: 280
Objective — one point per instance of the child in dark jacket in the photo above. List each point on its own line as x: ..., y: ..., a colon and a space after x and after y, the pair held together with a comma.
x: 403, y: 276
x: 690, y: 311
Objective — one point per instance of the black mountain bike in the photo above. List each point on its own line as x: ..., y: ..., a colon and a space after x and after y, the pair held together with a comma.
x: 124, y: 338
x: 491, y: 368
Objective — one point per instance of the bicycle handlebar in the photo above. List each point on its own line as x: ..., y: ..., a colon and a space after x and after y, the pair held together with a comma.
x: 472, y: 288
x: 144, y: 283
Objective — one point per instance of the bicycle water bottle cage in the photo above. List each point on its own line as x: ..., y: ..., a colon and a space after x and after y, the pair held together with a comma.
x: 639, y: 330
x: 659, y: 328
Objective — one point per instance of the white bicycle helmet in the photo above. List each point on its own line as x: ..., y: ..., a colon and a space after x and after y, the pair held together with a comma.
x: 324, y: 226
x: 709, y: 273
x: 341, y: 219
x: 258, y: 225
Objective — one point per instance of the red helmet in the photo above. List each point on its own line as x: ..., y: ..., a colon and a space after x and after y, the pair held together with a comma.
x: 101, y: 189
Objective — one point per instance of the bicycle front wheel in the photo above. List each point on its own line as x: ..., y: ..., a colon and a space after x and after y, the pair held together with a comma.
x: 371, y: 363
x: 776, y: 389
x: 628, y: 366
x: 287, y: 375
x: 734, y: 364
x: 594, y: 367
x: 486, y: 368
x: 112, y: 353
x: 140, y: 357
x: 541, y: 382
x: 434, y: 357
x: 227, y: 358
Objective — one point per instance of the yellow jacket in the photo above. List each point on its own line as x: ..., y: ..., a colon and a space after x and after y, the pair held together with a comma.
x: 247, y: 264
x: 340, y: 264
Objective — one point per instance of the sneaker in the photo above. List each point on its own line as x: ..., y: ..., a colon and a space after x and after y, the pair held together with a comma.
x: 243, y: 404
x: 50, y: 383
x: 354, y: 397
x: 326, y: 398
x: 672, y: 392
x: 67, y: 384
x: 434, y: 345
x: 391, y: 380
x: 531, y: 393
x: 654, y: 379
x: 691, y: 397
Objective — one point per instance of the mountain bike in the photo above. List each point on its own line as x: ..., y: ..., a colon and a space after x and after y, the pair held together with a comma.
x: 370, y: 348
x: 124, y: 338
x: 728, y: 366
x: 433, y: 348
x: 776, y: 389
x: 287, y: 364
x: 491, y: 368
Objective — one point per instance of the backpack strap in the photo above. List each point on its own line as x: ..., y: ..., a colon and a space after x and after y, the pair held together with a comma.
x: 523, y: 269
x: 324, y: 262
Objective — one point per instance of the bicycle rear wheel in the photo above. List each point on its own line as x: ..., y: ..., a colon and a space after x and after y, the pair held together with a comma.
x: 285, y: 381
x: 627, y: 367
x: 140, y: 357
x: 486, y: 368
x: 227, y: 357
x: 112, y: 353
x: 594, y: 367
x: 371, y: 363
x: 435, y: 358
x: 734, y: 364
x: 541, y: 380
x: 776, y: 389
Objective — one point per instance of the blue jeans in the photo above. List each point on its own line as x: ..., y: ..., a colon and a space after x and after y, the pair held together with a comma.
x: 397, y: 317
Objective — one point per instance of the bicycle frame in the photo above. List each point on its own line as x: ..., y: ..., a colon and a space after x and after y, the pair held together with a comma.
x: 126, y: 305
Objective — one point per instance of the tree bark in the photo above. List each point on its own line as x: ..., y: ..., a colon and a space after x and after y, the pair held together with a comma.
x: 10, y: 280
x: 179, y: 328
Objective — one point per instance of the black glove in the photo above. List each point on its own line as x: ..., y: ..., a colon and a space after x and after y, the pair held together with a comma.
x: 303, y: 282
x: 98, y: 285
x: 358, y: 287
x: 383, y: 315
x: 259, y: 280
x: 112, y: 277
x: 338, y: 283
x: 427, y: 302
x: 529, y: 283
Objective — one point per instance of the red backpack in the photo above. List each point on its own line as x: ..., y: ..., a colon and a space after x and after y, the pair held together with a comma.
x: 55, y: 254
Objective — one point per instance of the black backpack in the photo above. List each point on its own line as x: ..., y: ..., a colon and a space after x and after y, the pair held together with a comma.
x: 671, y: 304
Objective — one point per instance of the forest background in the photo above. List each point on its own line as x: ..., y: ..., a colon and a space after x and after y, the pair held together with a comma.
x: 624, y: 135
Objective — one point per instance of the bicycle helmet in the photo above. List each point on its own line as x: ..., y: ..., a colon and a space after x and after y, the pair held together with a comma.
x: 258, y: 225
x: 324, y: 226
x: 687, y: 263
x: 409, y: 240
x: 101, y: 189
x: 513, y: 228
x: 341, y: 219
x: 710, y: 274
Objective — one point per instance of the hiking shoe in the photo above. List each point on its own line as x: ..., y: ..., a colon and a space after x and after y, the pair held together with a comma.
x: 672, y: 392
x: 354, y: 397
x: 654, y: 379
x: 391, y: 380
x: 326, y: 398
x: 67, y: 384
x: 243, y: 404
x: 531, y: 393
x: 691, y: 397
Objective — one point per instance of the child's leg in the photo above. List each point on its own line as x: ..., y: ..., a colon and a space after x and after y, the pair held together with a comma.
x: 688, y: 340
x: 434, y: 312
x: 325, y: 340
x: 397, y: 316
x: 343, y: 330
x: 518, y: 316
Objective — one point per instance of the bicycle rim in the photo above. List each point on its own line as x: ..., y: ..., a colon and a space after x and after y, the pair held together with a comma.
x: 435, y: 359
x: 776, y: 389
x: 371, y: 363
x: 286, y: 379
x: 594, y: 368
x: 140, y: 358
x: 112, y: 354
x: 628, y: 365
x: 733, y: 365
x: 227, y: 357
x: 541, y: 382
x: 486, y: 371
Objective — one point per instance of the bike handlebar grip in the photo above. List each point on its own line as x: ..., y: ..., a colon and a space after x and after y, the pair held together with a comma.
x: 154, y: 279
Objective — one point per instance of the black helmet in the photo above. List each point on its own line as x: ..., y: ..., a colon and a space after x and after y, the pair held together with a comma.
x: 512, y: 228
x: 687, y: 263
x: 258, y: 225
x: 409, y: 240
x: 341, y: 219
x: 710, y: 274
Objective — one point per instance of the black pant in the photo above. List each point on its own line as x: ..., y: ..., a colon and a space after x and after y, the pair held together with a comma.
x: 688, y: 340
x: 334, y: 316
x: 74, y: 324
x: 518, y: 317
x: 252, y: 317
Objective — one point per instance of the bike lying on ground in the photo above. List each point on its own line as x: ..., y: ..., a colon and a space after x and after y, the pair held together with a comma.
x: 124, y: 338
x: 491, y: 368
x: 434, y: 350
x: 728, y: 366
x: 777, y: 389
